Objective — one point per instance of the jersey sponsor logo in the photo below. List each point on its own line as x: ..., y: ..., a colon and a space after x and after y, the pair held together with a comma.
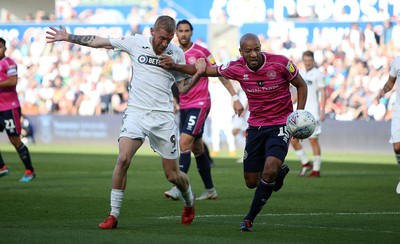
x: 263, y: 88
x: 144, y: 59
x: 144, y: 47
x: 290, y: 67
x: 309, y: 82
x: 271, y: 74
x: 260, y: 83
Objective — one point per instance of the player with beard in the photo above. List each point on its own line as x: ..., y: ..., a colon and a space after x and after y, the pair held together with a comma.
x: 150, y: 107
x: 194, y: 107
x: 265, y: 78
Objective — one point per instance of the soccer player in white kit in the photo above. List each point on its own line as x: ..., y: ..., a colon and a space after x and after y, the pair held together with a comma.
x: 316, y: 106
x: 150, y: 107
x: 394, y: 75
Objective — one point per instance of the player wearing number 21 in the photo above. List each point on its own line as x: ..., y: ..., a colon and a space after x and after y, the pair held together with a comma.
x: 265, y: 78
x: 10, y: 113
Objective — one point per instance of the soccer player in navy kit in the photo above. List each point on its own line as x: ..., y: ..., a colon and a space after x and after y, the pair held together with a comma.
x: 265, y: 78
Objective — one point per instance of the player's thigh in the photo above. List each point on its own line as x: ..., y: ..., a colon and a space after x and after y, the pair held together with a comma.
x: 128, y: 147
x: 318, y: 130
x: 192, y: 121
x: 10, y: 122
x: 264, y: 142
x: 133, y: 125
x: 162, y: 132
x: 171, y: 167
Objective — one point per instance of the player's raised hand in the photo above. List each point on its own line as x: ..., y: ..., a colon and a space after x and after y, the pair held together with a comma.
x: 55, y: 34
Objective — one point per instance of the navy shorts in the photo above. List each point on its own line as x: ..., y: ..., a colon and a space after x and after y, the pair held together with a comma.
x: 263, y: 142
x: 192, y: 121
x: 10, y: 120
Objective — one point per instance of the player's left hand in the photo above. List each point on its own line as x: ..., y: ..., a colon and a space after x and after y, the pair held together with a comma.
x: 201, y: 66
x: 238, y: 107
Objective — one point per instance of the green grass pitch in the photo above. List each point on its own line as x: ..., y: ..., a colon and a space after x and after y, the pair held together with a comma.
x: 354, y: 201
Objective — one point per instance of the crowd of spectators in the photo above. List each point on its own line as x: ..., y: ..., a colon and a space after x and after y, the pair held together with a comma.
x: 64, y: 78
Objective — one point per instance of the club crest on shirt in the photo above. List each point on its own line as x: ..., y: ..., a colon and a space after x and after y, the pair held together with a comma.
x: 191, y: 60
x: 290, y: 67
x: 271, y: 74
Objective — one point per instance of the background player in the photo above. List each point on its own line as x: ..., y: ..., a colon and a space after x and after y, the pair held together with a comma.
x: 150, y: 107
x: 394, y: 75
x: 316, y: 97
x: 194, y: 107
x: 265, y: 77
x: 10, y: 113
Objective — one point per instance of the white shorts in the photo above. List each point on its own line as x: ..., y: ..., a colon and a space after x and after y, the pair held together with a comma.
x: 318, y: 130
x: 395, y: 130
x: 159, y: 127
x: 241, y: 122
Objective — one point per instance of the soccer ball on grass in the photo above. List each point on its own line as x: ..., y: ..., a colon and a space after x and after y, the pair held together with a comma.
x: 301, y: 124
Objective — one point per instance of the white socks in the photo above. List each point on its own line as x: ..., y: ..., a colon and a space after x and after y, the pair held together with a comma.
x: 116, y: 202
x: 317, y: 163
x: 188, y: 197
x: 302, y: 155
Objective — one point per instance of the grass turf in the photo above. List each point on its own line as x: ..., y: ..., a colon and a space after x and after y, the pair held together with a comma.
x: 354, y: 200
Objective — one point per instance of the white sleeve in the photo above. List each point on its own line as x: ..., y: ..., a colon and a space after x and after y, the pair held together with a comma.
x: 179, y: 58
x: 125, y: 44
x: 321, y: 79
x: 395, y: 65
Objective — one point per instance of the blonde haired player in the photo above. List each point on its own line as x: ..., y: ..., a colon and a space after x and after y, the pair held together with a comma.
x: 150, y: 107
x: 316, y: 106
x: 394, y: 75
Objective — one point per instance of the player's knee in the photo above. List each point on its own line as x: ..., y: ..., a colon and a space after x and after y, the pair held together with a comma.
x: 396, y: 148
x: 251, y: 182
x: 184, y: 145
x: 123, y: 160
x: 172, y: 177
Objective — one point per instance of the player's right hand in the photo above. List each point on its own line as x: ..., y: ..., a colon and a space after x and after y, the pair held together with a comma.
x: 56, y: 34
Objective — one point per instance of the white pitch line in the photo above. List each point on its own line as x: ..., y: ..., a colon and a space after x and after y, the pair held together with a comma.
x: 303, y: 214
x: 332, y: 228
x: 287, y: 214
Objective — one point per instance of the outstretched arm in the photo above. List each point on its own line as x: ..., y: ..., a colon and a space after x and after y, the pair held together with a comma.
x: 54, y: 35
x: 167, y: 62
x: 185, y: 85
x: 9, y: 82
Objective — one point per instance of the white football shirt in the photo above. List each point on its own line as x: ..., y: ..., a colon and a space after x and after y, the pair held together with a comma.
x: 315, y: 81
x: 150, y: 85
x: 395, y: 72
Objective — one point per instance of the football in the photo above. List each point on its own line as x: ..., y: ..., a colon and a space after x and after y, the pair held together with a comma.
x: 301, y: 124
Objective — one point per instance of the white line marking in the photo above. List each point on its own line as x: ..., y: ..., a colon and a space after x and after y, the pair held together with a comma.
x: 304, y: 214
x: 288, y: 214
